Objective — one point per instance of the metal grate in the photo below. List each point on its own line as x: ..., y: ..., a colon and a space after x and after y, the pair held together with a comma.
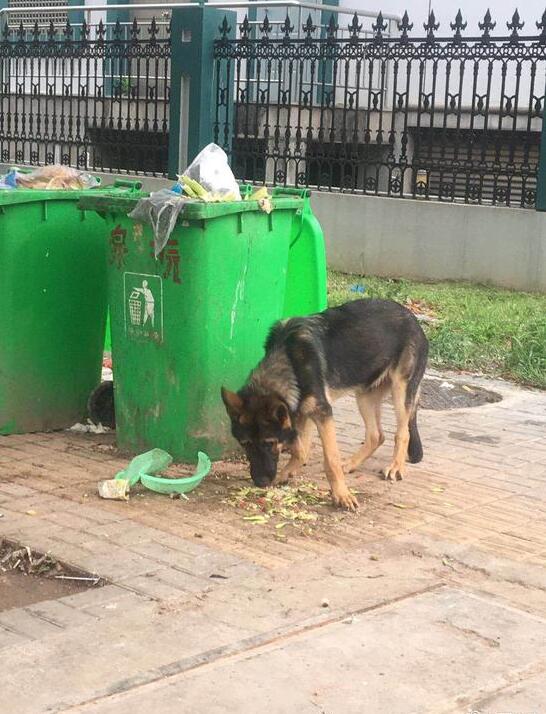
x: 42, y: 18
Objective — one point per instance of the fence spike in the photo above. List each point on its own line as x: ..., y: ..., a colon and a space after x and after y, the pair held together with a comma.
x: 541, y: 25
x: 515, y: 25
x: 486, y: 26
x: 379, y: 27
x: 458, y: 25
x: 354, y: 28
x: 430, y: 26
x: 404, y: 27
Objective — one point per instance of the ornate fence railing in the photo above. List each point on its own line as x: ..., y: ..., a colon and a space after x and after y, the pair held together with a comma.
x: 454, y: 118
x: 91, y: 96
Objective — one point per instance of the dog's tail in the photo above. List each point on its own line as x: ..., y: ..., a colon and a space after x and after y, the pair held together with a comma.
x: 415, y: 448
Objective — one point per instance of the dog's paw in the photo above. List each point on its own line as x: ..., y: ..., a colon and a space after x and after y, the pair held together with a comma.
x: 290, y: 471
x: 394, y: 472
x: 343, y: 498
x: 350, y: 465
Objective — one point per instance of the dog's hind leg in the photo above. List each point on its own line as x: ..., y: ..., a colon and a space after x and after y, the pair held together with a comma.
x: 369, y: 404
x: 299, y: 451
x: 332, y: 462
x: 404, y: 412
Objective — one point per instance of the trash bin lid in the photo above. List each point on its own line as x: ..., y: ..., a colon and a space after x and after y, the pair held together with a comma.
x: 195, y: 211
x: 16, y: 196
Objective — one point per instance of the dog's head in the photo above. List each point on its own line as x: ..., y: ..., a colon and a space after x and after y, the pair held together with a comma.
x: 262, y: 424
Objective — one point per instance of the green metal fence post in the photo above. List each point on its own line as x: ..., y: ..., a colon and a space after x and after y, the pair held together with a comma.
x: 193, y: 82
x: 541, y: 178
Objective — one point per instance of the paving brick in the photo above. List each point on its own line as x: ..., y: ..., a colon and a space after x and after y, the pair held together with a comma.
x: 59, y: 614
x: 164, y: 555
x: 17, y: 490
x: 10, y: 639
x: 153, y: 587
x: 94, y: 596
x: 184, y: 581
x: 27, y: 624
x: 112, y: 608
x: 123, y: 533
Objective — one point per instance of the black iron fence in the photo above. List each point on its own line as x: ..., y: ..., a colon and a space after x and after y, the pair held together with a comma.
x: 90, y: 96
x: 399, y: 113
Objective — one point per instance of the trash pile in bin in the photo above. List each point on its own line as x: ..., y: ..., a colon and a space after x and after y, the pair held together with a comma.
x: 48, y: 178
x: 208, y: 179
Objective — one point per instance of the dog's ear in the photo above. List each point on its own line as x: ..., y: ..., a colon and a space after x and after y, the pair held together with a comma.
x: 233, y: 403
x: 281, y: 415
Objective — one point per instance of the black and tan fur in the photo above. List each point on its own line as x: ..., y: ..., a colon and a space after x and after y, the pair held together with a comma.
x: 367, y: 347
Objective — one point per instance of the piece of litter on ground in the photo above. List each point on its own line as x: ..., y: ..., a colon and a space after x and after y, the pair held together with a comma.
x: 325, y: 602
x: 94, y: 580
x: 447, y: 385
x: 256, y: 519
x: 30, y: 512
x: 89, y: 428
x: 374, y: 557
x: 349, y: 620
x: 437, y: 489
x: 467, y: 389
x: 401, y: 505
x: 1, y: 515
x: 447, y: 563
x: 114, y: 489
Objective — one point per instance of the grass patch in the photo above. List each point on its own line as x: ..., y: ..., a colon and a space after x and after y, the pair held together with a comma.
x: 479, y: 329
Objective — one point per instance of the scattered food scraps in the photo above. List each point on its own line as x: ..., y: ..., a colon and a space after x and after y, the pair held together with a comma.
x: 292, y: 505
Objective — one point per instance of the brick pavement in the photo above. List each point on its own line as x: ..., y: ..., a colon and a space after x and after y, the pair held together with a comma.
x: 482, y: 484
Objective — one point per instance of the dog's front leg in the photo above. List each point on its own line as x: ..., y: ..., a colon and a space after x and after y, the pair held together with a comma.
x: 332, y: 463
x: 299, y: 451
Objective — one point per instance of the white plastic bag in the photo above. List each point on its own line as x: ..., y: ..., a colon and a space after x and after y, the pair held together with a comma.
x: 161, y: 210
x: 210, y: 168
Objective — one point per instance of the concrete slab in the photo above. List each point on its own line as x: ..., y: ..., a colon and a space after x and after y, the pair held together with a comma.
x: 431, y: 653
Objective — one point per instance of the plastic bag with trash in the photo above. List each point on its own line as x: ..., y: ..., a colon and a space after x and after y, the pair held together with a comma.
x: 50, y: 178
x: 211, y: 170
x: 207, y: 178
x: 161, y: 210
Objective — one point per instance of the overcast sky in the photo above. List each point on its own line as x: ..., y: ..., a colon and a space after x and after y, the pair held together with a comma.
x: 445, y: 11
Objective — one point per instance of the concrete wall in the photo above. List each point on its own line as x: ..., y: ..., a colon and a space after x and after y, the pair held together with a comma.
x: 429, y: 240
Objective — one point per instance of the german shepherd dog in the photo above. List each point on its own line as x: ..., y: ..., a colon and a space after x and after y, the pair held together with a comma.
x: 368, y: 347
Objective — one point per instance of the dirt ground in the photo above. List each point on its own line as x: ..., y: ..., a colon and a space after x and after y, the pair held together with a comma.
x: 19, y: 590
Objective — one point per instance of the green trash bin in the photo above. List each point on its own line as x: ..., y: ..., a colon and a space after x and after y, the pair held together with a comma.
x: 53, y: 297
x: 192, y: 320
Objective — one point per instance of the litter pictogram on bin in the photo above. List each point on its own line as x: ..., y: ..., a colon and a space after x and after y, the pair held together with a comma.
x: 143, y: 295
x: 135, y: 308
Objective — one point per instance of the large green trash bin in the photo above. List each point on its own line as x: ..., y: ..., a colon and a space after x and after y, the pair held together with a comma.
x: 192, y: 320
x: 53, y: 297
